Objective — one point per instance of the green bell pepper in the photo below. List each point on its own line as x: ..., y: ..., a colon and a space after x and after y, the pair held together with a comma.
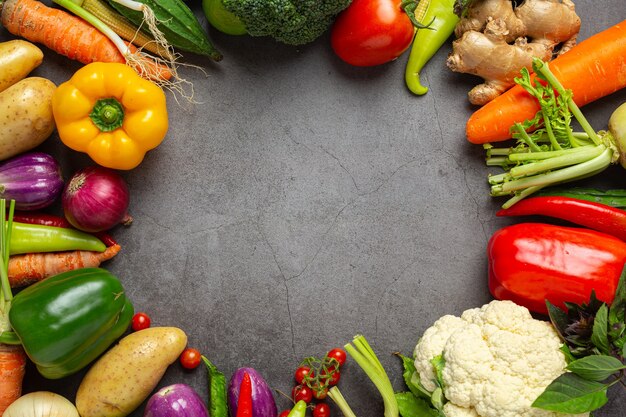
x: 66, y: 321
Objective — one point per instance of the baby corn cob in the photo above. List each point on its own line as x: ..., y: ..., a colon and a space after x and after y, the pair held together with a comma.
x: 123, y: 27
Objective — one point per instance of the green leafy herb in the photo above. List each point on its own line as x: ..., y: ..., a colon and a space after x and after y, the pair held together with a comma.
x: 594, y: 348
x: 570, y: 393
x: 597, y: 367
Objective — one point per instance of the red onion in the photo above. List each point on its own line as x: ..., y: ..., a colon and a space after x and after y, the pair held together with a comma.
x: 178, y: 400
x: 96, y: 199
x: 33, y: 180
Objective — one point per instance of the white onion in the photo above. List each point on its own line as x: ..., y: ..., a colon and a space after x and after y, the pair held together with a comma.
x: 41, y: 404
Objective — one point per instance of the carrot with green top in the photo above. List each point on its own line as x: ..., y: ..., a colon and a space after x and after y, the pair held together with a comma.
x: 592, y: 69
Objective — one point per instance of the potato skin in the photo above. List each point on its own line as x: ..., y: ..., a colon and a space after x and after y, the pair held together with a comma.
x: 17, y: 59
x: 123, y: 377
x: 26, y: 118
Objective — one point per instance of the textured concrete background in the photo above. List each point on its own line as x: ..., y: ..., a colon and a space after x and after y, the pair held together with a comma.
x: 305, y: 201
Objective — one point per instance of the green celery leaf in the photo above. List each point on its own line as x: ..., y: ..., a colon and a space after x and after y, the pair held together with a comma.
x: 570, y: 393
x: 600, y: 337
x: 411, y: 406
x: 438, y: 363
x: 617, y: 312
x: 597, y: 367
x: 412, y: 378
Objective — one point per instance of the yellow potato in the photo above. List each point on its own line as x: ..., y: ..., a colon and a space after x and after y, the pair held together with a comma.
x: 124, y: 376
x: 17, y: 59
x: 26, y: 118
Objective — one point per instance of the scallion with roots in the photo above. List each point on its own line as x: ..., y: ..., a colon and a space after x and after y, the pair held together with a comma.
x: 548, y: 151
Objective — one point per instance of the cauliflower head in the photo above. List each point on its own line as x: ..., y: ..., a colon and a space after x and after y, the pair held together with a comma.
x: 498, y: 360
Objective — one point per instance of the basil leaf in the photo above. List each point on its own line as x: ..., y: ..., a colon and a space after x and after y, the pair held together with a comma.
x: 412, y: 378
x: 567, y: 353
x: 597, y: 367
x: 600, y: 337
x: 411, y: 406
x: 438, y: 363
x: 572, y: 394
x: 617, y: 313
x: 558, y: 318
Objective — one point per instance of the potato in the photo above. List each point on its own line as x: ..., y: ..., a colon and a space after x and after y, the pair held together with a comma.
x: 124, y: 376
x: 26, y: 118
x: 17, y: 59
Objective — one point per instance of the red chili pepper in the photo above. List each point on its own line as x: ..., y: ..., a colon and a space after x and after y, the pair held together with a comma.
x: 244, y: 404
x: 533, y: 262
x: 45, y: 219
x: 593, y: 215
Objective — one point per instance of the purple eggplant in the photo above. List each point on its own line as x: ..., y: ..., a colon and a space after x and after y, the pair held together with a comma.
x: 33, y: 180
x: 178, y: 400
x: 263, y: 404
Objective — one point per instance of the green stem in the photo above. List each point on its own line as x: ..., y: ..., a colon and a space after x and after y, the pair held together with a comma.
x: 565, y: 174
x: 497, y: 161
x: 9, y: 338
x: 557, y: 162
x: 520, y: 196
x: 531, y: 156
x: 548, y: 126
x: 341, y: 402
x: 524, y: 137
x: 544, y: 69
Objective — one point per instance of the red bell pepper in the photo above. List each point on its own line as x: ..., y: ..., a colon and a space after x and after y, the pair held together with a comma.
x: 590, y: 214
x: 530, y: 263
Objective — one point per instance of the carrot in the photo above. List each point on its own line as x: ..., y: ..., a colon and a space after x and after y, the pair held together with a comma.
x: 65, y: 34
x: 12, y: 370
x: 32, y: 267
x: 592, y: 69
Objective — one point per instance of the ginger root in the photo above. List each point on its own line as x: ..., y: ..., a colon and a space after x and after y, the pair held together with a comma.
x: 497, y: 40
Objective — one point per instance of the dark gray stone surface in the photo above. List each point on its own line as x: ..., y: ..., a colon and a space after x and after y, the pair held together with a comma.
x: 305, y: 201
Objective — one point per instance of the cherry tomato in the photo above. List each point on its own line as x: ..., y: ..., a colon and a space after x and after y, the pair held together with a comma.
x: 190, y: 358
x: 140, y: 321
x: 301, y: 373
x: 339, y: 354
x: 320, y: 393
x: 302, y: 392
x: 371, y: 32
x: 334, y: 377
x: 284, y: 413
x: 321, y: 410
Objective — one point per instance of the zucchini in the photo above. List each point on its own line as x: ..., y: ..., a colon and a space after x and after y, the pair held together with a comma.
x: 177, y: 23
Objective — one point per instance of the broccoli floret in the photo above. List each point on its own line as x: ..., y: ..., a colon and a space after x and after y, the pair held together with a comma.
x: 294, y: 22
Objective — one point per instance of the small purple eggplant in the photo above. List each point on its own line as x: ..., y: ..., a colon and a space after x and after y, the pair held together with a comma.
x: 178, y: 400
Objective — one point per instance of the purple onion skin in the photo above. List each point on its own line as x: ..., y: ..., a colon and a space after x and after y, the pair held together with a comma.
x: 95, y: 199
x: 178, y: 400
x: 32, y: 179
x: 263, y: 404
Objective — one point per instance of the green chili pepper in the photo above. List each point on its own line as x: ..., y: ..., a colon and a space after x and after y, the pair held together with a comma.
x: 298, y: 410
x: 428, y: 41
x: 218, y: 406
x: 66, y: 321
x: 33, y: 238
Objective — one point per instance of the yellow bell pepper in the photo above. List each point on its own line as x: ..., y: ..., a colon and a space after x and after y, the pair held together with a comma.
x: 108, y: 111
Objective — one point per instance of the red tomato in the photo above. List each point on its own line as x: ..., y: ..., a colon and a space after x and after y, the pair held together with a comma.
x: 190, y: 358
x: 334, y: 377
x: 339, y: 354
x: 140, y: 321
x: 320, y: 393
x: 371, y: 32
x: 321, y: 410
x: 302, y: 392
x: 284, y: 413
x: 301, y: 373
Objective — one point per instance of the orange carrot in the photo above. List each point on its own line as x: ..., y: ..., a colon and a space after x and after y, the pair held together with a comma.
x: 65, y: 34
x: 12, y: 370
x: 32, y: 267
x: 592, y: 69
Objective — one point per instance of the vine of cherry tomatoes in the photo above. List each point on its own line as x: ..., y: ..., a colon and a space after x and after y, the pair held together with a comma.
x: 314, y: 377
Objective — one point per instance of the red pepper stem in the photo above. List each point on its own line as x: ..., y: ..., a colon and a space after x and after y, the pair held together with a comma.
x: 244, y: 404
